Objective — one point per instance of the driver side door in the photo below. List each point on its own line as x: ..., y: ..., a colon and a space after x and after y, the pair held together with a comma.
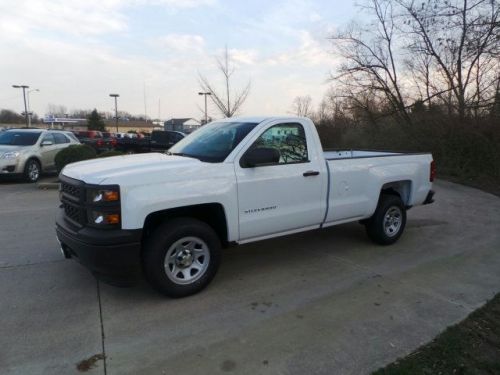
x: 283, y: 195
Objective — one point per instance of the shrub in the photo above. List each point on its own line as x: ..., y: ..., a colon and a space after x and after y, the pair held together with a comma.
x: 110, y: 153
x: 73, y: 154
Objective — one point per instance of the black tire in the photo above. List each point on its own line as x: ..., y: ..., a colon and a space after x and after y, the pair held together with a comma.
x: 165, y: 236
x: 379, y: 228
x: 32, y: 171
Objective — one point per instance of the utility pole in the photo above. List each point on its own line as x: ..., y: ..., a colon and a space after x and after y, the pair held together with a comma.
x: 29, y: 107
x: 145, y: 106
x: 205, y: 94
x: 24, y: 87
x: 116, y: 109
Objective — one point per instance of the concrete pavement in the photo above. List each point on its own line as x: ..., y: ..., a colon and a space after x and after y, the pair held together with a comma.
x: 323, y: 302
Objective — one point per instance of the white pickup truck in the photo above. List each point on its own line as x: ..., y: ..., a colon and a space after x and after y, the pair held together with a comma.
x: 234, y: 181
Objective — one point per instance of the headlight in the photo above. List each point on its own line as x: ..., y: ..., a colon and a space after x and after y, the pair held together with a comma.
x: 103, y: 195
x: 11, y: 155
x: 104, y: 218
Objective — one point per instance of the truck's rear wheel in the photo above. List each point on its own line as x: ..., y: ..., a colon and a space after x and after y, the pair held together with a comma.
x: 181, y: 257
x: 388, y: 222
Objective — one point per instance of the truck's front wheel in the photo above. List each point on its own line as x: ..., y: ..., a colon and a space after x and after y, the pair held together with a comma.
x: 388, y: 222
x: 181, y: 257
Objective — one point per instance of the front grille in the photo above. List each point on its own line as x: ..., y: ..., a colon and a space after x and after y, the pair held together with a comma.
x: 73, y: 200
x: 72, y: 190
x: 74, y: 213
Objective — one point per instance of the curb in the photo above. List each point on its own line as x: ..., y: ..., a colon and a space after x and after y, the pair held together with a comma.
x: 48, y: 185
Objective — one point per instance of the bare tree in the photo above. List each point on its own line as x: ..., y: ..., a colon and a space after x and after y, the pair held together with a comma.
x: 229, y: 102
x: 461, y: 38
x: 302, y: 106
x: 371, y: 62
x: 57, y: 110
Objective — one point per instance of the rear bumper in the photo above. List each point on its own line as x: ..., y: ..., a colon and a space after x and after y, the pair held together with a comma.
x: 111, y: 255
x: 430, y: 197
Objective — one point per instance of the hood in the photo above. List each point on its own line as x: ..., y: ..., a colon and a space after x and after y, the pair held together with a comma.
x: 115, y: 168
x: 9, y: 148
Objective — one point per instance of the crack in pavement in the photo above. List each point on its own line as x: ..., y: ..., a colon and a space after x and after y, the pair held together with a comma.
x: 102, y: 328
x: 30, y: 264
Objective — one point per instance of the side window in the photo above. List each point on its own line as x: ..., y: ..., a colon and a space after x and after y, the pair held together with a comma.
x: 73, y: 137
x: 60, y: 138
x: 49, y: 137
x: 289, y: 140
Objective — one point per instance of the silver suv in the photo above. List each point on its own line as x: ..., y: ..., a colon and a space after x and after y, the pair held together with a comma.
x: 29, y: 152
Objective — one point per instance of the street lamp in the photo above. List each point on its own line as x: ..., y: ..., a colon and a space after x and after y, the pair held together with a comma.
x: 116, y: 109
x: 205, y: 94
x: 24, y: 87
x: 29, y: 108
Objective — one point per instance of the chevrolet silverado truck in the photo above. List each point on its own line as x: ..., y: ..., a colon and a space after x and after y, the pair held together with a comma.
x: 234, y: 181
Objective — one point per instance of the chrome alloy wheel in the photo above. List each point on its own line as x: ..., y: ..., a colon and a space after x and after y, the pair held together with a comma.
x: 187, y: 260
x: 392, y: 221
x: 33, y: 171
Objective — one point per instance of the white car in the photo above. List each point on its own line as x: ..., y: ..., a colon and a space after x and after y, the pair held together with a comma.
x: 27, y: 153
x: 233, y: 181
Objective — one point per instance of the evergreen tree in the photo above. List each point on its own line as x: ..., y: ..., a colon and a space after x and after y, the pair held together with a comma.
x: 95, y: 122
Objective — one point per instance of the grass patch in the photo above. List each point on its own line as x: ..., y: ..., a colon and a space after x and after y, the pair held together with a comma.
x: 469, y: 347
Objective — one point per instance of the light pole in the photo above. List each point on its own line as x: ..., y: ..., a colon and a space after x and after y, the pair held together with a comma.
x: 116, y: 109
x: 29, y: 108
x: 205, y: 94
x: 24, y: 87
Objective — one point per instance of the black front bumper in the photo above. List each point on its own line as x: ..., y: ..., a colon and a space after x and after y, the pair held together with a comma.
x: 111, y: 255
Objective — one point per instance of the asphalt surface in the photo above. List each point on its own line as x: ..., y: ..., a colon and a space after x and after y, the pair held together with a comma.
x: 323, y: 302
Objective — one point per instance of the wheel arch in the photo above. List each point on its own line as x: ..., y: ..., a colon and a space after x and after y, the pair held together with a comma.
x: 400, y: 188
x: 34, y: 157
x: 212, y: 214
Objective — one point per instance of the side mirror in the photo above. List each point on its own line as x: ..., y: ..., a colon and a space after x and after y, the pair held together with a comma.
x: 46, y: 143
x: 260, y: 156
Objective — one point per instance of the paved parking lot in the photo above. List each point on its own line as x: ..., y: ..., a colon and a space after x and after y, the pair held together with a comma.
x: 324, y: 302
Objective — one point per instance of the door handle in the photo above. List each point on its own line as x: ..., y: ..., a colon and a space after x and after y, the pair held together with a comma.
x: 310, y: 173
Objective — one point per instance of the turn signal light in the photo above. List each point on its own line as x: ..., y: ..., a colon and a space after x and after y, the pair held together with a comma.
x: 104, y: 196
x: 110, y: 195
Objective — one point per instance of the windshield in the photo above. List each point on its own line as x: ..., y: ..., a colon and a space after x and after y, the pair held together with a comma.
x: 213, y: 142
x: 14, y: 138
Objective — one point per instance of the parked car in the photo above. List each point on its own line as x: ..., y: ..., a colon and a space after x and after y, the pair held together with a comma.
x: 160, y: 141
x: 29, y: 152
x: 94, y: 139
x: 110, y: 140
x: 231, y: 182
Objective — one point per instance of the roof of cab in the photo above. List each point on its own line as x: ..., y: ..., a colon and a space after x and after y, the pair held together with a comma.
x: 258, y: 119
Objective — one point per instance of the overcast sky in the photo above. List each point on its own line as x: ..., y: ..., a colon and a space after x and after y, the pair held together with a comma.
x: 76, y: 52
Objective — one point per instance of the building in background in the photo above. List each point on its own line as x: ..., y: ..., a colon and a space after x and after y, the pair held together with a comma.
x: 53, y: 122
x: 185, y: 125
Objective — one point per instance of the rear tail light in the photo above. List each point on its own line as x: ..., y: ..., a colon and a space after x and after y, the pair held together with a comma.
x: 99, y: 142
x: 432, y: 175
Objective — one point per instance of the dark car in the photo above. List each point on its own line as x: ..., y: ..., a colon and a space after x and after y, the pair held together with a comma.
x: 110, y: 140
x: 160, y: 141
x: 94, y: 139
